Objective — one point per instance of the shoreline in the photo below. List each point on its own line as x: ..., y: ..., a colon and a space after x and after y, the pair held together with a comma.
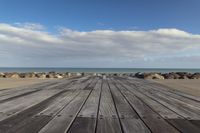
x: 60, y: 75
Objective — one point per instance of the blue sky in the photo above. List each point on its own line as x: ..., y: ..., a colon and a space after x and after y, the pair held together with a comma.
x: 83, y: 33
x: 105, y: 14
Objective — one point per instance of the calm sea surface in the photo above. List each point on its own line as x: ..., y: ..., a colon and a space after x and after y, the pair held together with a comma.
x: 98, y: 70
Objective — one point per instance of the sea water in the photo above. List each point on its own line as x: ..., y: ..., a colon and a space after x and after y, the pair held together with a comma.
x: 99, y: 70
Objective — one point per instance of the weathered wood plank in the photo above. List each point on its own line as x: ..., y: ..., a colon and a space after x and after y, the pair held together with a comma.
x: 87, y: 117
x: 176, y: 120
x: 167, y: 92
x: 62, y: 122
x: 42, y: 118
x: 11, y: 124
x: 147, y: 82
x: 129, y: 119
x: 183, y: 109
x: 108, y: 121
x: 147, y: 114
x: 22, y: 103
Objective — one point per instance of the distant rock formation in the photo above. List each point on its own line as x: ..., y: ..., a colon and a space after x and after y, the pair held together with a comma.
x: 39, y: 75
x: 171, y: 75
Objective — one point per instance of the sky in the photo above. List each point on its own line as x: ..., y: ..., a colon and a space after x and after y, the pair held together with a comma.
x: 100, y: 33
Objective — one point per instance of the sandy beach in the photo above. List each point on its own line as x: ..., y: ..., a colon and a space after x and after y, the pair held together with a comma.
x: 12, y: 82
x: 188, y: 86
x: 184, y: 85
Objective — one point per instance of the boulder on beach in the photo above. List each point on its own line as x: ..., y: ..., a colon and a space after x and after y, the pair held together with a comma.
x: 51, y: 74
x: 195, y: 76
x: 2, y: 75
x: 153, y: 76
x: 11, y: 75
x: 68, y: 74
x: 171, y: 75
x: 184, y: 77
x: 139, y: 75
x: 78, y: 74
x: 40, y: 75
x: 59, y: 76
x: 149, y: 75
x: 27, y: 75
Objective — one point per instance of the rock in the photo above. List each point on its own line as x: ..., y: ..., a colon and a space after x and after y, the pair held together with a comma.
x: 58, y: 76
x: 181, y: 74
x: 15, y: 75
x: 64, y: 75
x: 68, y: 74
x: 99, y: 75
x: 78, y: 74
x: 94, y: 74
x: 195, y: 76
x: 51, y: 75
x: 139, y: 75
x: 11, y: 75
x: 183, y: 77
x: 52, y: 72
x: 82, y: 74
x: 40, y: 75
x: 27, y: 75
x: 171, y: 75
x: 2, y: 75
x: 153, y: 76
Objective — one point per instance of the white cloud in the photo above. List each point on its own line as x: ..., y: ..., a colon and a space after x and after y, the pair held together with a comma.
x: 31, y: 42
x: 31, y: 26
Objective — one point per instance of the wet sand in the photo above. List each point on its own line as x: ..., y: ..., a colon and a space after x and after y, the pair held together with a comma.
x: 12, y: 83
x: 188, y: 86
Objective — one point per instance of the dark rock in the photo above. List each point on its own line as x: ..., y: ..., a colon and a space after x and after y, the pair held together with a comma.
x: 195, y: 76
x: 183, y: 77
x: 171, y: 75
x: 40, y: 75
x: 139, y: 75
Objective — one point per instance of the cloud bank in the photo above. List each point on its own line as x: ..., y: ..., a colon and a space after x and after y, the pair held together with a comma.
x: 32, y: 45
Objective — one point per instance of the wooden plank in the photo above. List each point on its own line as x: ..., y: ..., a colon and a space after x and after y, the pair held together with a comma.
x: 20, y: 91
x: 185, y: 110
x: 108, y: 121
x: 22, y: 103
x: 147, y: 82
x: 184, y: 126
x: 129, y: 119
x: 90, y: 108
x: 147, y: 114
x: 87, y: 117
x: 155, y: 105
x: 63, y: 120
x: 167, y: 91
x: 37, y: 121
x: 11, y: 124
x: 176, y: 120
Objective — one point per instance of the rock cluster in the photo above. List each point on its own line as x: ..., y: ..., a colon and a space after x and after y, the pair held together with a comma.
x: 171, y: 75
x: 39, y: 75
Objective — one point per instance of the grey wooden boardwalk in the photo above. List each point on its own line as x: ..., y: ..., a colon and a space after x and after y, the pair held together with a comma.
x: 96, y: 105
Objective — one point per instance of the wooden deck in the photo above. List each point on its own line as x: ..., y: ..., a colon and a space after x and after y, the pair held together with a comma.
x: 96, y: 105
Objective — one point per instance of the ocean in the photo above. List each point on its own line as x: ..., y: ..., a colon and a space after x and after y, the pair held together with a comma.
x: 98, y: 70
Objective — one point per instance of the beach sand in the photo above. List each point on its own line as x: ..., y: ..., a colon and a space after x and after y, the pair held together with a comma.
x: 12, y: 83
x: 188, y: 86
